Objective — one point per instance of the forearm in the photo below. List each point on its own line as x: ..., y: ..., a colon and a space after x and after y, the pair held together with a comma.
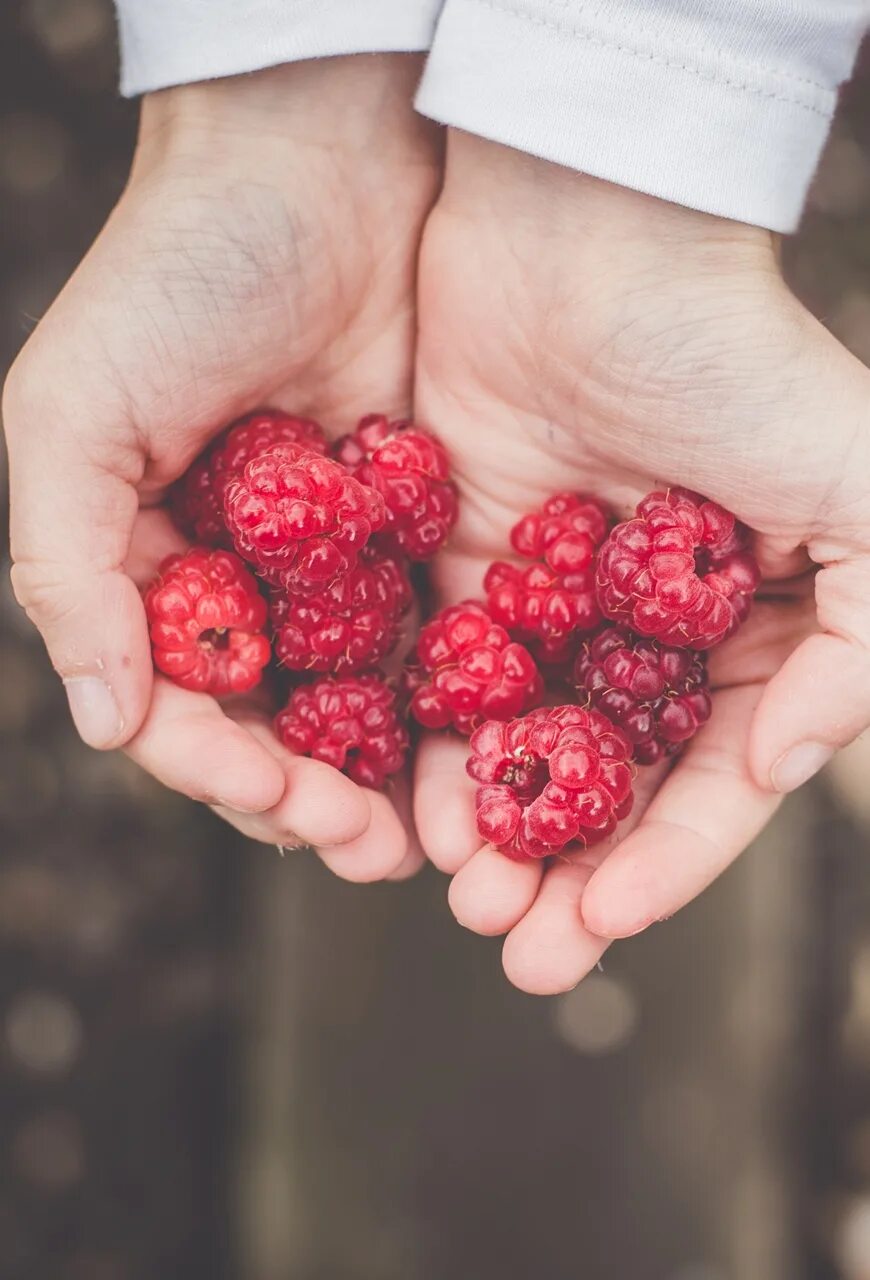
x: 171, y: 42
x: 721, y: 105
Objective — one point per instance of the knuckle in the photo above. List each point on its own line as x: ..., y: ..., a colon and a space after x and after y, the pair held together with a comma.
x: 44, y: 596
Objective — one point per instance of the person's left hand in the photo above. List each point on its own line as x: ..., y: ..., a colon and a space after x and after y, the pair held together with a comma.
x: 575, y: 335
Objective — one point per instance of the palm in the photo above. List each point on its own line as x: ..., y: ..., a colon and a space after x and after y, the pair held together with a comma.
x: 277, y: 269
x: 547, y: 367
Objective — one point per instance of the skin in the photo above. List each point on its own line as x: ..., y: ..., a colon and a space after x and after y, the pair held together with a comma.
x: 263, y: 252
x: 569, y: 334
x: 576, y: 335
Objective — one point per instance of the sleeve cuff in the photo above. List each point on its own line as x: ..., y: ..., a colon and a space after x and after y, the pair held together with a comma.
x: 697, y: 128
x: 170, y: 42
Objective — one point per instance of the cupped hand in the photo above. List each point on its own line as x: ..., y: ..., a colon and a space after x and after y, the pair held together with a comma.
x: 263, y: 253
x: 575, y: 335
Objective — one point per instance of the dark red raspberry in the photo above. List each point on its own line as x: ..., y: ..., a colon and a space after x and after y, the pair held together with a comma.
x: 466, y: 670
x: 206, y: 619
x: 558, y: 775
x: 680, y: 570
x: 350, y: 724
x: 349, y: 627
x: 409, y: 467
x: 551, y: 603
x: 198, y: 497
x: 655, y: 694
x: 300, y: 518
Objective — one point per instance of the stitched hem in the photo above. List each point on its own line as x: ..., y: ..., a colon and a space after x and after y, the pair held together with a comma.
x: 650, y: 123
x: 168, y: 42
x: 741, y: 86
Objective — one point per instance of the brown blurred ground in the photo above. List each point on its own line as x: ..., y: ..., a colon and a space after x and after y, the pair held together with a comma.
x: 218, y: 1064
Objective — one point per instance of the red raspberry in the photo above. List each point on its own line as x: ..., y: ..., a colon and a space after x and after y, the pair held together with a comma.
x: 679, y: 571
x: 198, y: 497
x: 349, y: 627
x: 466, y: 670
x: 206, y: 619
x: 549, y: 604
x: 300, y: 518
x: 656, y: 695
x: 555, y: 776
x: 350, y: 724
x: 409, y: 467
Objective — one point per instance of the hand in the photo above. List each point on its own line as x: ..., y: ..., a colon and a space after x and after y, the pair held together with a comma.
x: 575, y: 335
x: 263, y: 254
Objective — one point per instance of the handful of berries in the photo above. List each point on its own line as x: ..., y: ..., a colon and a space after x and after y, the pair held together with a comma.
x: 302, y: 561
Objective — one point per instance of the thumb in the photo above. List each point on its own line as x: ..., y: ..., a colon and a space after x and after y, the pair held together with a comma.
x: 73, y: 502
x: 820, y: 699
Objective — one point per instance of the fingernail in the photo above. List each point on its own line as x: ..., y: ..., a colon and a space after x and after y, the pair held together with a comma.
x: 797, y: 766
x: 94, y: 710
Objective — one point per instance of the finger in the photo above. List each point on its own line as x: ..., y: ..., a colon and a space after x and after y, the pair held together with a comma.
x: 780, y: 558
x: 820, y: 699
x: 188, y: 743
x: 318, y: 806
x: 705, y: 814
x: 764, y: 643
x: 377, y: 853
x: 413, y: 862
x: 154, y: 538
x: 415, y: 859
x: 72, y: 504
x: 444, y: 810
x: 550, y: 949
x: 490, y: 893
x: 357, y: 833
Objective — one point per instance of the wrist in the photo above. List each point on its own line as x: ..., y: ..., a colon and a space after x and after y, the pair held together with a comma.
x: 343, y: 105
x: 603, y: 223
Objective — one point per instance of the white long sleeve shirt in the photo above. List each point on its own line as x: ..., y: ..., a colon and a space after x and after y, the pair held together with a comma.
x: 720, y: 105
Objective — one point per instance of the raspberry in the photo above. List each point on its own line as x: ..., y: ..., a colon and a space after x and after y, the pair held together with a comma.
x: 549, y: 604
x: 198, y: 498
x: 349, y: 723
x: 409, y: 467
x: 206, y: 619
x: 466, y: 670
x: 350, y: 626
x: 679, y: 571
x: 655, y: 694
x: 558, y: 775
x: 300, y: 518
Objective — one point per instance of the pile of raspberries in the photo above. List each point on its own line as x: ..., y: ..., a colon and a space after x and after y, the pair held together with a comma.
x: 583, y: 658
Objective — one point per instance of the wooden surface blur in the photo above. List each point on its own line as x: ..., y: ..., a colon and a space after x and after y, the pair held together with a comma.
x: 218, y: 1064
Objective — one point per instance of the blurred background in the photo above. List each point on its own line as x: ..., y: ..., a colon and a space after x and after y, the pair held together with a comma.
x: 218, y: 1064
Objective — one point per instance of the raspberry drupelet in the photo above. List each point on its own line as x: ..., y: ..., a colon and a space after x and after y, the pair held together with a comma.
x: 299, y: 518
x: 206, y: 620
x: 680, y: 570
x: 656, y: 694
x: 466, y: 669
x: 410, y: 469
x: 555, y: 776
x: 352, y: 625
x: 350, y: 723
x: 550, y: 603
x: 198, y: 497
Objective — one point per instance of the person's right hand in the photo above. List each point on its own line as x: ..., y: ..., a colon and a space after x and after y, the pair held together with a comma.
x: 263, y: 254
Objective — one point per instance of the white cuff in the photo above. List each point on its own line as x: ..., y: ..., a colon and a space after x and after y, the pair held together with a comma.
x: 720, y: 105
x: 168, y: 42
